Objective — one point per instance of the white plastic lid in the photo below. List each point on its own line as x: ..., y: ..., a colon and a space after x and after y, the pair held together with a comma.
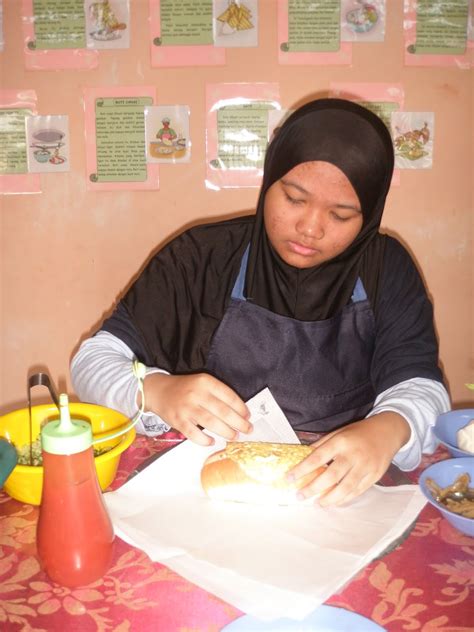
x: 66, y: 435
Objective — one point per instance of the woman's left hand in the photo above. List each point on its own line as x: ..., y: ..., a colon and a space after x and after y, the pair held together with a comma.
x: 358, y: 456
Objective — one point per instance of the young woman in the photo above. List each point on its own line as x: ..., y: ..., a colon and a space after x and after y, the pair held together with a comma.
x: 306, y: 297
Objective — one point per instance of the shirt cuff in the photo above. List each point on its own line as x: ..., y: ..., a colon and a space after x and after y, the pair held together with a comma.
x: 419, y: 401
x: 151, y: 424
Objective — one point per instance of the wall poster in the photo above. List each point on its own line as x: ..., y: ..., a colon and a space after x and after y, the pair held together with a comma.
x: 276, y: 118
x: 2, y: 39
x: 64, y: 34
x: 107, y: 24
x: 54, y: 33
x: 413, y: 135
x: 436, y: 33
x: 310, y: 33
x: 237, y: 132
x: 235, y: 23
x: 48, y: 143
x: 381, y: 98
x: 470, y: 28
x: 15, y: 106
x: 115, y: 138
x: 167, y: 133
x: 363, y: 21
x: 180, y: 37
x: 384, y: 99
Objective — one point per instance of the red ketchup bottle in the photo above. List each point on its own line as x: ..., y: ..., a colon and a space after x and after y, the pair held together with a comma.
x: 74, y: 534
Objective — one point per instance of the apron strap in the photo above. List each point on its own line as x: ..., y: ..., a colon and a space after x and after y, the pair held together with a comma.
x: 359, y: 293
x: 238, y: 291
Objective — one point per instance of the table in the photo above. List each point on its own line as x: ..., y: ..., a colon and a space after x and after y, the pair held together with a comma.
x: 425, y: 583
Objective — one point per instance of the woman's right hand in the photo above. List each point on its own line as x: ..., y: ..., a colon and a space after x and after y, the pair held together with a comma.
x: 186, y: 402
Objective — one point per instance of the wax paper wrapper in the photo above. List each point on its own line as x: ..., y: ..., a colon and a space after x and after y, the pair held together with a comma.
x: 269, y: 562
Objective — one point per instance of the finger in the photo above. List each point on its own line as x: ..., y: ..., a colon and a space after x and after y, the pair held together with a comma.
x: 350, y: 487
x: 318, y: 458
x: 218, y: 426
x: 225, y: 394
x: 326, y: 482
x: 222, y: 402
x: 325, y: 438
x: 191, y: 431
x: 227, y: 414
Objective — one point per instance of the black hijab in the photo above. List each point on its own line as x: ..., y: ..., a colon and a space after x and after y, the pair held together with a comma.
x: 356, y: 141
x: 179, y: 299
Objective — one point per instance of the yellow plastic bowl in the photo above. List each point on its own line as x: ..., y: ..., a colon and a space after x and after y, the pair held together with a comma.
x: 25, y: 483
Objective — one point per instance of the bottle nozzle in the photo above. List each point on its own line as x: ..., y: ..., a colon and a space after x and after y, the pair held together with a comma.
x: 66, y: 435
x: 65, y: 415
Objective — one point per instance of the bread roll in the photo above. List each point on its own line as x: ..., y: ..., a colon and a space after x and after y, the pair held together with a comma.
x: 254, y: 472
x: 465, y: 437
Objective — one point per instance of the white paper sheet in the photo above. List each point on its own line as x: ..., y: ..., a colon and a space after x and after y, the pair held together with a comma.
x: 269, y: 562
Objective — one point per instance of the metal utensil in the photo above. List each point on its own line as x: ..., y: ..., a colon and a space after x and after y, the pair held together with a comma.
x: 39, y: 379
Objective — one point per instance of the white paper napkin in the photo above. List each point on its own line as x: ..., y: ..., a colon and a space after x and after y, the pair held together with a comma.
x: 269, y: 562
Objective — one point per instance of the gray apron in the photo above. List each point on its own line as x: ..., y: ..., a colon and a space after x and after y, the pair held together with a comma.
x: 318, y: 372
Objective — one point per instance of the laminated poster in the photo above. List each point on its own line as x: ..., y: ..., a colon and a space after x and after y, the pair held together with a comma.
x: 237, y: 132
x: 2, y: 40
x: 413, y: 134
x: 363, y: 21
x: 310, y: 33
x: 381, y: 98
x: 167, y: 134
x: 107, y: 24
x: 54, y: 32
x: 384, y: 99
x: 383, y: 109
x: 59, y: 24
x: 182, y: 34
x: 470, y: 28
x: 115, y: 138
x: 276, y: 118
x: 14, y: 108
x: 436, y: 33
x: 48, y: 143
x: 235, y: 23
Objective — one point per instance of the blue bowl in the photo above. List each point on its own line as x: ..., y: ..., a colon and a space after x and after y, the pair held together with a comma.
x: 444, y: 473
x: 447, y: 426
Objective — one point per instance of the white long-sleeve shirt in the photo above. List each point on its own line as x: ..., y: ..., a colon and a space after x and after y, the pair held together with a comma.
x: 101, y: 373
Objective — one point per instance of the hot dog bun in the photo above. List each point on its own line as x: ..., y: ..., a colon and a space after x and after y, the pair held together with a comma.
x: 254, y: 472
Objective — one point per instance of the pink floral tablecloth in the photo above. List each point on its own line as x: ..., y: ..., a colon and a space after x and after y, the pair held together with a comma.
x: 425, y: 583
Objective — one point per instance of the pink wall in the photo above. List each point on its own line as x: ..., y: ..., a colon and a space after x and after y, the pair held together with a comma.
x: 66, y: 254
